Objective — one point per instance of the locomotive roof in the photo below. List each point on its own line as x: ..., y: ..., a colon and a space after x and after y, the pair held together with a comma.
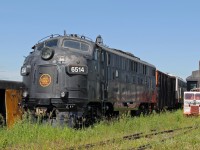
x: 99, y: 43
x: 125, y: 54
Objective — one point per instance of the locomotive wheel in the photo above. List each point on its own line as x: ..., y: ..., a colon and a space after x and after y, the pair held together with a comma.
x: 143, y: 109
x: 93, y: 116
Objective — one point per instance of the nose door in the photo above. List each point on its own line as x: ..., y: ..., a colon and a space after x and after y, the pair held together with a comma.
x: 47, y: 79
x: 103, y: 72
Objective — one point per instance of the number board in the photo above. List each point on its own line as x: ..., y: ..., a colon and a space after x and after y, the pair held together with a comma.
x: 77, y: 69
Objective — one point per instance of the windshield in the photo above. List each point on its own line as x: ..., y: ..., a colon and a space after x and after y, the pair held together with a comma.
x: 50, y: 43
x: 76, y: 45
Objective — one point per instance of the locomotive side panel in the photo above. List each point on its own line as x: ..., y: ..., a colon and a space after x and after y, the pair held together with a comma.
x: 131, y: 83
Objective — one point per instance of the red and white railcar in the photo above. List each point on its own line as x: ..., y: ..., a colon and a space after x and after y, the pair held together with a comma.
x: 191, y: 103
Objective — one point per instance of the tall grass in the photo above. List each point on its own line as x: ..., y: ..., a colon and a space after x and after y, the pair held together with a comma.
x: 25, y: 135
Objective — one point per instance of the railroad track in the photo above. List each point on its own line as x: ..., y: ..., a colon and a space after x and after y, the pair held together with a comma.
x: 136, y: 136
x: 148, y: 146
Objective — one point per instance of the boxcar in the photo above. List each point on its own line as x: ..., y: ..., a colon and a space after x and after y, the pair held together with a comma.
x: 165, y: 90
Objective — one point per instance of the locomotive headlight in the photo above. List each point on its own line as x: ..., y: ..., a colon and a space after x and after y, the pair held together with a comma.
x: 62, y: 94
x: 25, y: 94
x: 47, y: 53
x: 25, y: 70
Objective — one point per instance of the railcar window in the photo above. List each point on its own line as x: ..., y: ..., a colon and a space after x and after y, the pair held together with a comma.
x: 114, y: 60
x: 189, y: 96
x: 95, y: 54
x: 76, y: 45
x: 127, y: 65
x: 113, y: 75
x: 108, y: 58
x: 197, y: 96
x: 116, y: 74
x: 118, y: 61
x: 123, y: 64
x: 144, y: 71
x: 102, y: 56
x: 135, y: 66
x: 131, y: 65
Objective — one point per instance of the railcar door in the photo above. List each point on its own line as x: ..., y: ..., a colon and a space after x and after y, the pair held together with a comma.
x: 102, y: 78
x: 103, y: 72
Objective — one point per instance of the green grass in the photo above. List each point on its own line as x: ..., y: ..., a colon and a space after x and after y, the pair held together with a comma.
x: 24, y: 135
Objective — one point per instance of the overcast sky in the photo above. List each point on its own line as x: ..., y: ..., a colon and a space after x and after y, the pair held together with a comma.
x: 163, y: 33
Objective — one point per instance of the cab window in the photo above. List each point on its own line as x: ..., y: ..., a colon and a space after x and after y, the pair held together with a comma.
x: 50, y: 43
x: 75, y: 45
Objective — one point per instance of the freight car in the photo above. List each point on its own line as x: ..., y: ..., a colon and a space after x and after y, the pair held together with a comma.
x: 170, y: 90
x: 10, y: 97
x: 72, y: 79
x: 181, y: 87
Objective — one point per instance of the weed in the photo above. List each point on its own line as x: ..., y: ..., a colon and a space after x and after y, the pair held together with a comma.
x: 27, y: 135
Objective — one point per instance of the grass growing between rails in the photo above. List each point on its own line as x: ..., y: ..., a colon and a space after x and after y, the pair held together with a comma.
x: 24, y: 135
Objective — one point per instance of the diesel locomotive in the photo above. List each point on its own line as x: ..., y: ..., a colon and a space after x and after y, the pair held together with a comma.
x: 73, y: 79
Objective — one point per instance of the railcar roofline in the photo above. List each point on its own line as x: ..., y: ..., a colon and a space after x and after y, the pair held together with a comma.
x: 76, y: 36
x: 98, y: 42
x: 124, y: 54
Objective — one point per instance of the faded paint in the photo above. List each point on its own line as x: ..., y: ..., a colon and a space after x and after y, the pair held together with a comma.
x: 13, y: 111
